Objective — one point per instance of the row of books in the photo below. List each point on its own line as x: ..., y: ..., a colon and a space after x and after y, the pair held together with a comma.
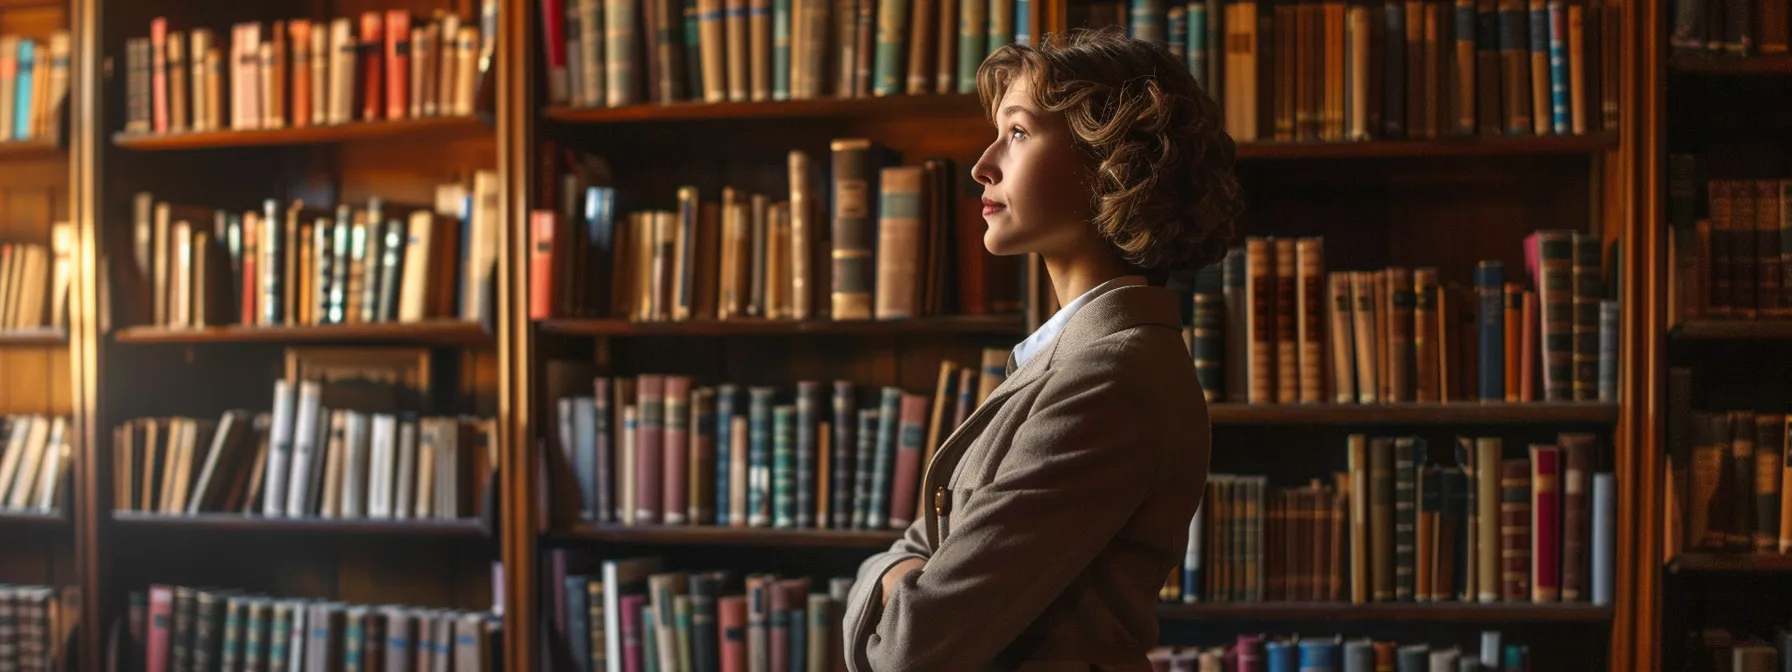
x: 1735, y: 478
x: 33, y: 85
x: 635, y: 614
x: 1716, y: 649
x: 660, y: 449
x: 34, y: 281
x: 1292, y: 653
x: 375, y: 67
x: 33, y: 627
x: 34, y: 452
x: 758, y: 50
x: 383, y: 263
x: 872, y: 242
x: 1728, y: 28
x: 305, y: 459
x: 1331, y: 70
x: 177, y: 628
x: 1270, y: 325
x: 1734, y: 261
x: 1401, y: 526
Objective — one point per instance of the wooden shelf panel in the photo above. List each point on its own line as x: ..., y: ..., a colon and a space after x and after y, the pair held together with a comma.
x: 1734, y: 330
x: 338, y: 526
x: 432, y: 127
x: 33, y: 337
x: 1466, y: 413
x: 1453, y: 612
x: 1007, y: 325
x: 30, y: 149
x: 445, y: 332
x: 1465, y: 146
x: 1731, y: 563
x: 35, y: 518
x: 727, y: 536
x: 1727, y: 66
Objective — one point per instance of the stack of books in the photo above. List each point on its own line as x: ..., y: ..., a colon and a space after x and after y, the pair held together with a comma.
x: 34, y: 452
x: 33, y: 86
x: 378, y: 66
x: 1731, y: 263
x: 38, y: 627
x: 196, y: 267
x: 34, y: 281
x: 1400, y: 526
x: 1278, y: 653
x: 1733, y: 477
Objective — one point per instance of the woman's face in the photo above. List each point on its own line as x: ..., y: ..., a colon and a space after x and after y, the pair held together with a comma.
x: 1035, y: 197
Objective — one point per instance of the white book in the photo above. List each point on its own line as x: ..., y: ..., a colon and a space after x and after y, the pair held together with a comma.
x: 301, y: 489
x: 55, y: 455
x: 482, y: 256
x: 280, y: 432
x: 407, y: 471
x: 354, y: 466
x: 252, y: 84
x: 447, y: 455
x: 30, y: 464
x: 319, y: 56
x: 413, y: 288
x: 228, y: 427
x: 426, y: 459
x: 380, y: 467
x: 13, y: 453
x: 619, y: 574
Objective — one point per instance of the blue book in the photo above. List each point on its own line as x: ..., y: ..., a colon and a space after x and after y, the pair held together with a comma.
x: 584, y: 452
x: 1023, y: 22
x: 1517, y: 657
x: 1318, y: 655
x: 1147, y: 20
x: 1538, y: 16
x: 1558, y: 67
x: 1359, y: 656
x: 1608, y: 351
x: 884, y: 461
x: 797, y: 621
x: 1279, y: 657
x: 781, y: 49
x: 21, y: 117
x: 1207, y: 338
x: 808, y: 402
x: 843, y: 448
x: 1489, y: 287
x: 578, y: 623
x: 866, y: 446
x: 725, y: 395
x: 759, y: 456
x: 1605, y: 492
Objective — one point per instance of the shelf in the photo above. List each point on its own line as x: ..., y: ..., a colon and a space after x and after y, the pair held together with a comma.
x: 1466, y: 413
x: 1002, y: 325
x: 1733, y: 330
x: 1454, y: 612
x: 33, y: 337
x: 33, y: 518
x: 1731, y: 563
x: 1448, y: 147
x: 728, y: 536
x: 242, y: 523
x: 444, y: 332
x: 1730, y: 66
x: 30, y: 149
x: 430, y: 127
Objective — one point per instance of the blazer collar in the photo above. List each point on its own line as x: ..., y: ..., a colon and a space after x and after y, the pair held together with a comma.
x: 1113, y: 312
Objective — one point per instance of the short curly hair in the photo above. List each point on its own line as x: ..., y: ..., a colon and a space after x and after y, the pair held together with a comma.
x: 1163, y: 190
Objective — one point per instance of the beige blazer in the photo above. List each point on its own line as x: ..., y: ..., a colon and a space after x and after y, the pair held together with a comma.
x: 1055, y: 512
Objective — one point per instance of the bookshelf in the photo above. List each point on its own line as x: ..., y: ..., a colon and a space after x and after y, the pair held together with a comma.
x: 223, y: 523
x: 438, y: 333
x: 1003, y: 325
x: 34, y: 338
x: 432, y: 128
x: 1385, y: 613
x: 1733, y: 330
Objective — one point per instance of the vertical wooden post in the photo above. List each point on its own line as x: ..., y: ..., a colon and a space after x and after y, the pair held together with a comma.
x: 516, y: 131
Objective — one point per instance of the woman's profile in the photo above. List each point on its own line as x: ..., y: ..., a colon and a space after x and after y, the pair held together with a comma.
x: 1057, y: 509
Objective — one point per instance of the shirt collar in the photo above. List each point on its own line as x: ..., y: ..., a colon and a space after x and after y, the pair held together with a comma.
x: 1043, y: 336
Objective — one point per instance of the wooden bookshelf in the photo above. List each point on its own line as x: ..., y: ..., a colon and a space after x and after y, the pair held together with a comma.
x: 1730, y: 563
x: 1732, y: 66
x: 33, y: 337
x: 32, y: 518
x: 1467, y: 413
x: 1458, y: 147
x: 227, y: 522
x: 698, y: 535
x: 373, y: 131
x: 443, y: 332
x: 1451, y: 612
x: 1000, y: 325
x: 1767, y: 329
x: 31, y: 150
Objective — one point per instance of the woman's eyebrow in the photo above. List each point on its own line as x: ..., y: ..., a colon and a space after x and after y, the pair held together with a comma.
x: 1012, y: 109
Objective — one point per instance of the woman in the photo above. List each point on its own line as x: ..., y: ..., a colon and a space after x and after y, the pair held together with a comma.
x: 1056, y: 511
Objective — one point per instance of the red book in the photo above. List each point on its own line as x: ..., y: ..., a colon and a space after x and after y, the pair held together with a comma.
x: 650, y: 407
x: 731, y: 617
x: 676, y: 449
x: 1546, y: 523
x: 251, y: 273
x: 398, y: 63
x: 553, y: 34
x: 779, y: 626
x: 541, y: 264
x: 161, y: 618
x: 372, y: 66
x: 1577, y: 528
x: 909, y: 432
x: 631, y: 606
x: 1515, y: 530
x: 158, y: 60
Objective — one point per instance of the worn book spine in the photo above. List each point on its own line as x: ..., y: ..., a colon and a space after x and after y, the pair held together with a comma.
x: 1343, y: 349
x: 1381, y: 510
x: 1368, y: 350
x: 1588, y: 291
x: 864, y: 459
x: 759, y: 456
x: 1425, y: 335
x: 1576, y: 532
x: 1546, y: 520
x: 1207, y: 340
x: 852, y: 228
x: 650, y: 409
x: 1310, y: 297
x: 1236, y: 341
x: 1489, y: 281
x: 1515, y: 530
x: 1260, y: 332
x: 675, y: 451
x: 783, y: 466
x: 1287, y: 360
x: 843, y: 447
x: 899, y: 243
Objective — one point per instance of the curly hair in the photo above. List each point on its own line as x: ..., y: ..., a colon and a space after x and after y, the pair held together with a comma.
x: 1163, y: 190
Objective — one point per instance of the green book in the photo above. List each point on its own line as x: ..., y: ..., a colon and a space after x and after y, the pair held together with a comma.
x: 759, y: 449
x: 649, y: 642
x: 867, y: 444
x: 973, y: 17
x: 892, y: 34
x: 884, y: 461
x: 681, y: 622
x: 784, y: 467
x: 781, y: 49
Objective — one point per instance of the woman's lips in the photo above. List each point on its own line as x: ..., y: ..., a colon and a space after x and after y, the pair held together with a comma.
x: 991, y: 207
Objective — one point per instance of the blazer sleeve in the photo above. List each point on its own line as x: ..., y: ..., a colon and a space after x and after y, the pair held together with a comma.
x: 867, y: 588
x: 1077, y: 469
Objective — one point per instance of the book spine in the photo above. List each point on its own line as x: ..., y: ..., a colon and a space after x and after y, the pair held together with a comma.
x: 1515, y: 530
x: 759, y: 49
x: 884, y: 460
x: 1287, y: 362
x: 865, y: 460
x: 1381, y: 510
x: 650, y: 408
x: 841, y: 447
x: 1576, y: 462
x: 1586, y: 271
x: 725, y: 412
x: 621, y: 71
x: 675, y: 451
x: 1605, y: 495
x: 781, y: 49
x: 852, y: 230
x: 1558, y: 68
x: 1310, y: 296
x: 1260, y: 320
x: 1488, y: 285
x: 1546, y: 517
x: 1235, y: 295
x: 899, y: 243
x: 1513, y: 300
x: 759, y: 456
x: 1608, y: 351
x: 1206, y: 339
x: 1489, y: 504
x: 911, y: 422
x: 1407, y: 453
x: 808, y: 405
x: 783, y: 467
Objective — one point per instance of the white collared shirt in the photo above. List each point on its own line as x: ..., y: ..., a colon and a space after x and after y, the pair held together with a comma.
x: 1049, y: 331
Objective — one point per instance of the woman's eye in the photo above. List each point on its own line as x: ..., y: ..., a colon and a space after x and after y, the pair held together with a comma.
x: 1016, y: 134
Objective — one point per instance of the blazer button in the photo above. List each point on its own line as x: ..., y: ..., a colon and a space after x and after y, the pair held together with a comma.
x: 939, y: 501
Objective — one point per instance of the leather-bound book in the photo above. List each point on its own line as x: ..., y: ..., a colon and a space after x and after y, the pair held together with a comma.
x: 1515, y: 530
x: 1546, y: 523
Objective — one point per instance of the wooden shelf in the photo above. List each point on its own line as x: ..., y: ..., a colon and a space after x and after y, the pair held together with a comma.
x: 432, y: 127
x: 231, y: 522
x: 727, y: 536
x: 1003, y: 325
x: 1731, y: 563
x: 1454, y: 612
x: 33, y: 518
x: 31, y: 149
x: 444, y: 332
x: 1466, y: 413
x: 1733, y: 330
x: 1465, y: 146
x: 1730, y: 66
x: 33, y: 337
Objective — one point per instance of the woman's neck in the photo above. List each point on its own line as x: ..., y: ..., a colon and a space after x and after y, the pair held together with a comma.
x: 1074, y: 276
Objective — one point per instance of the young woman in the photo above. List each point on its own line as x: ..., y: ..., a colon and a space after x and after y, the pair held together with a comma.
x: 1054, y: 514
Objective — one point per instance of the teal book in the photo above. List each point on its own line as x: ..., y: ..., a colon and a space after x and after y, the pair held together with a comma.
x: 808, y: 404
x: 973, y: 22
x: 884, y: 460
x: 725, y: 395
x: 781, y: 49
x: 681, y: 624
x: 784, y: 467
x: 650, y: 659
x: 21, y: 117
x: 354, y: 640
x: 842, y: 449
x: 866, y: 446
x: 1023, y: 22
x: 693, y: 52
x: 1001, y: 25
x: 279, y: 627
x: 759, y: 456
x: 1196, y: 51
x: 234, y: 615
x: 890, y: 68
